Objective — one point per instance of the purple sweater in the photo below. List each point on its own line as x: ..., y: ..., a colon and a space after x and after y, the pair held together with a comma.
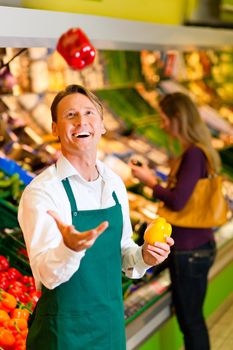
x: 192, y: 168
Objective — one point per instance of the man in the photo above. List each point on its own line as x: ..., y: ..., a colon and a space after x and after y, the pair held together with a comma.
x: 75, y: 220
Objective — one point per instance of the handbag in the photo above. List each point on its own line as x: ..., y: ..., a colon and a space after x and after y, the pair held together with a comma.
x: 206, y: 207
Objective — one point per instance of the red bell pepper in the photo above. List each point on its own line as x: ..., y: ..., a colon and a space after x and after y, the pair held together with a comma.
x: 34, y: 296
x: 29, y: 282
x: 76, y: 49
x: 4, y: 281
x: 4, y: 263
x: 14, y: 274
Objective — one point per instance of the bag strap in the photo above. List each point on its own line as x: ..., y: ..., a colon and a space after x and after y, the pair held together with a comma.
x: 175, y: 167
x: 210, y: 165
x: 171, y: 183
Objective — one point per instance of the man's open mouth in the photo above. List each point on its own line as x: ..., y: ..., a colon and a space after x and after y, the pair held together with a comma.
x: 81, y: 134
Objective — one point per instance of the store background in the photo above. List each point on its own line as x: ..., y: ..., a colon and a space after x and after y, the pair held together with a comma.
x: 128, y: 75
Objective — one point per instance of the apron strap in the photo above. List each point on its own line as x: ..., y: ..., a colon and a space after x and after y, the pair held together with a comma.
x: 70, y: 195
x: 115, y: 197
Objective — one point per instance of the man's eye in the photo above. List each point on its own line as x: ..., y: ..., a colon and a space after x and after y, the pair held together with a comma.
x: 91, y: 112
x: 70, y: 115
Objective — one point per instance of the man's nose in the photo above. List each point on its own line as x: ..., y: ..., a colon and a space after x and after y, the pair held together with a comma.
x: 79, y: 118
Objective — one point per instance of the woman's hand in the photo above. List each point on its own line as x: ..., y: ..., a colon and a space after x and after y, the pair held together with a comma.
x: 144, y: 174
x: 157, y: 253
x: 77, y: 240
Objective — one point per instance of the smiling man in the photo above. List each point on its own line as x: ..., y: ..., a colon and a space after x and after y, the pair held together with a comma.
x: 76, y: 225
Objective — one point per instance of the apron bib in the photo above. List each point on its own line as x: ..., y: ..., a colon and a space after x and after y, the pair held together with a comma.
x: 86, y: 312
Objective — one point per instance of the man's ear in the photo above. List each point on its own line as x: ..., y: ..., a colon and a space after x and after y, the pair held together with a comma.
x: 54, y: 129
x: 103, y: 130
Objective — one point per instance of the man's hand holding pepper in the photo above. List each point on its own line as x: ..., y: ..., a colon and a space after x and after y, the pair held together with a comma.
x: 157, y: 253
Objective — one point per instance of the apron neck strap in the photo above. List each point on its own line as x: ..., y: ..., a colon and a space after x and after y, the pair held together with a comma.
x: 70, y: 194
x: 115, y: 197
x: 72, y: 200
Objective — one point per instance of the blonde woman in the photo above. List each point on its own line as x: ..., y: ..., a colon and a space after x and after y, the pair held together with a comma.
x: 194, y: 249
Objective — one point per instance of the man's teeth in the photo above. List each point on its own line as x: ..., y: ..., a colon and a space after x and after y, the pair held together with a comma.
x: 82, y: 134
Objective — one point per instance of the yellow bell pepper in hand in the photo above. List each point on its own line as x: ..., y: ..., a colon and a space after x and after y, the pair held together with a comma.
x: 157, y: 231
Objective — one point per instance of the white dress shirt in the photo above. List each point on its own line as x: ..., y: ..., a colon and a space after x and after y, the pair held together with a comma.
x: 52, y: 262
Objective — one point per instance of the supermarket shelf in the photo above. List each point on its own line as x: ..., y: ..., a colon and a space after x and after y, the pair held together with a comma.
x: 223, y: 258
x: 149, y: 321
x: 27, y: 31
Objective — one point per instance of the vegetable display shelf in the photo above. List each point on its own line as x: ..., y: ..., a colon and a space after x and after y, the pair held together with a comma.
x: 145, y: 296
x: 12, y: 246
x: 8, y: 214
x: 10, y: 167
x: 149, y: 313
x: 12, y: 183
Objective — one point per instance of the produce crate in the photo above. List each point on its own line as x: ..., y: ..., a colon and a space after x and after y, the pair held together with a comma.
x: 8, y: 214
x: 10, y: 167
x: 12, y: 246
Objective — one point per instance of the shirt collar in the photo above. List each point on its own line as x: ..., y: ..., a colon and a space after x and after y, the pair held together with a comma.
x: 65, y: 169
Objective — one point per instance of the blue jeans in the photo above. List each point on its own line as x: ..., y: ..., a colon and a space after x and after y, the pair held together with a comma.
x: 189, y: 273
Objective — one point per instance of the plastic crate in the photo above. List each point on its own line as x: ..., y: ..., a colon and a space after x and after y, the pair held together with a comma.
x: 12, y: 246
x: 10, y: 167
x: 8, y: 214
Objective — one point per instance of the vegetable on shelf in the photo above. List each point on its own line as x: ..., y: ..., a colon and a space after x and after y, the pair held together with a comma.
x: 4, y: 263
x: 18, y: 298
x: 7, y: 301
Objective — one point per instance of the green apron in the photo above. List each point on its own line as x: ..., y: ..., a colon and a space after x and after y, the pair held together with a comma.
x: 86, y: 312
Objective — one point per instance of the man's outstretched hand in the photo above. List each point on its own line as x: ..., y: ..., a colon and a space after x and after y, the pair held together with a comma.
x: 74, y: 239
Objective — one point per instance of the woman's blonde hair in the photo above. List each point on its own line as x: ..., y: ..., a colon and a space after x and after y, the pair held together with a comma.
x: 180, y: 107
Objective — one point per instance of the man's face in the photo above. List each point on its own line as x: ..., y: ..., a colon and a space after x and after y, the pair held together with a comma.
x: 79, y: 125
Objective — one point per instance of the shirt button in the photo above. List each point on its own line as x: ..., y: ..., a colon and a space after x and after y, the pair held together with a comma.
x: 75, y: 213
